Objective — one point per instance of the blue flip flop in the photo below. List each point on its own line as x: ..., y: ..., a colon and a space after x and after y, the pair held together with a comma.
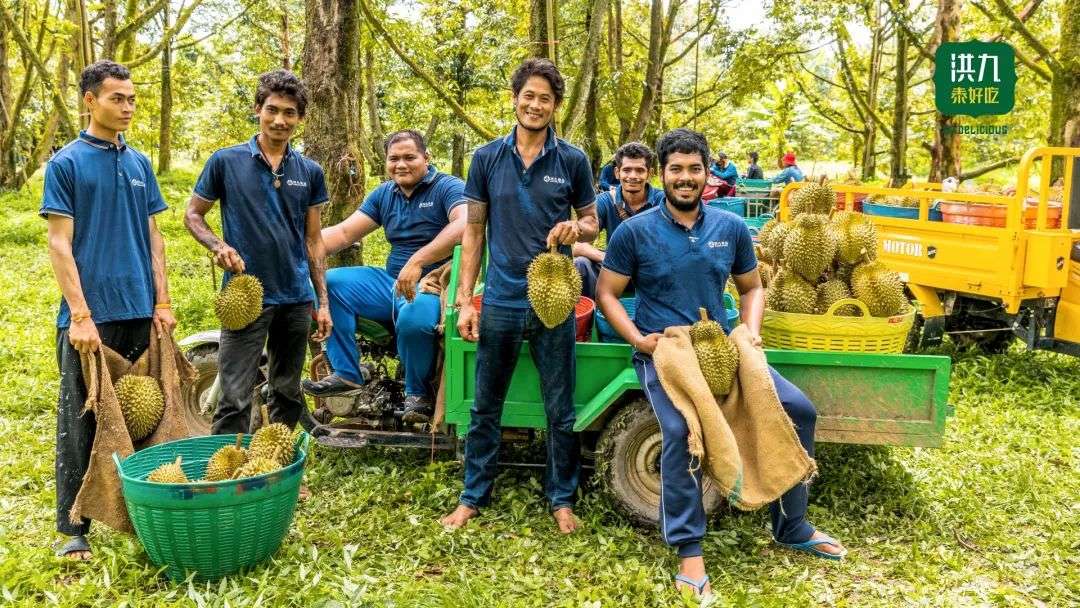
x: 811, y: 547
x: 699, y: 586
x: 73, y: 545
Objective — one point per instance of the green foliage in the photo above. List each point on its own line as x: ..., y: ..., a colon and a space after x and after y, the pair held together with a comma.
x: 988, y: 519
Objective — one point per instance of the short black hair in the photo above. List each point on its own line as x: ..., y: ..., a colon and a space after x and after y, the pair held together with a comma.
x: 754, y: 156
x: 684, y: 141
x: 635, y: 149
x: 95, y: 74
x: 543, y: 68
x: 285, y: 83
x: 403, y: 135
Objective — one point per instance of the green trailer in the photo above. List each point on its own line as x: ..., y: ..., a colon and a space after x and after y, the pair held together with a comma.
x: 861, y: 399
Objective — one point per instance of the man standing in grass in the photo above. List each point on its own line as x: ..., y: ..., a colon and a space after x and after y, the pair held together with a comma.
x: 526, y: 182
x: 100, y: 199
x: 271, y: 197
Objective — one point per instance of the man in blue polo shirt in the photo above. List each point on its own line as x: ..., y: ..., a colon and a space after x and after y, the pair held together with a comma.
x: 100, y: 199
x: 680, y: 255
x: 421, y: 211
x: 634, y: 163
x: 271, y: 197
x: 526, y: 183
x: 725, y: 169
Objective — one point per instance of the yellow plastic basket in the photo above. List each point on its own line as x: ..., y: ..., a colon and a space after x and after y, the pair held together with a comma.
x: 829, y: 332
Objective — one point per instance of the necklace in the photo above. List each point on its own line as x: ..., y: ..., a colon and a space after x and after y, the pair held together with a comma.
x: 277, y: 177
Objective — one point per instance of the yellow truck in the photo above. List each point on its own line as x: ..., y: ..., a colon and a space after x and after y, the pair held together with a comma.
x: 993, y: 266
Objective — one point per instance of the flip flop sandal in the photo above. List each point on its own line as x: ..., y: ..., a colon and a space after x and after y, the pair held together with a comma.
x: 73, y: 545
x: 698, y: 586
x: 811, y: 547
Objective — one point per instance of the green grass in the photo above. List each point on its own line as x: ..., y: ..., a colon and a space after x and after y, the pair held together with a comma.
x: 989, y: 519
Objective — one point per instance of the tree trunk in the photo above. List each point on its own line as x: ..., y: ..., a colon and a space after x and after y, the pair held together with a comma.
x: 1065, y: 87
x: 898, y: 174
x: 544, y: 29
x: 332, y: 73
x: 286, y: 46
x: 869, y: 159
x: 589, y: 65
x: 592, y: 140
x: 7, y: 119
x: 945, y: 154
x: 165, y: 124
x: 650, y: 87
x: 108, y: 38
x: 123, y: 51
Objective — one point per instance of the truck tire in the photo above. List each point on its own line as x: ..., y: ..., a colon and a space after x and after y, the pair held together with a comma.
x: 628, y: 465
x: 204, y: 359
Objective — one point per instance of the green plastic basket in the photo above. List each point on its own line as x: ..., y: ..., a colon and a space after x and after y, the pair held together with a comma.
x: 211, y: 529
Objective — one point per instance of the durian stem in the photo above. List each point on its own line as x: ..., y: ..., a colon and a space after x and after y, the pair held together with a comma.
x: 239, y: 439
x: 265, y: 415
x: 554, y: 248
x: 704, y: 314
x: 178, y: 460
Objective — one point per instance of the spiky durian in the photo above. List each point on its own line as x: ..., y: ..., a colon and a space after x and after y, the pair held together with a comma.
x: 554, y: 287
x: 170, y: 472
x: 717, y: 354
x: 141, y: 403
x: 240, y: 302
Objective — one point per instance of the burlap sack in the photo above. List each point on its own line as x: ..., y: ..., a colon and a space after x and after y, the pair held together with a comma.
x: 747, y: 445
x: 100, y: 496
x: 435, y: 283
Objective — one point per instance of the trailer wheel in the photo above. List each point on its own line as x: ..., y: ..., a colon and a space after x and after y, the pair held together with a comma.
x: 197, y: 409
x: 628, y: 465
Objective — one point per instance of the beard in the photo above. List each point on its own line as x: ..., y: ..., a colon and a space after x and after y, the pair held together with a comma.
x: 669, y: 193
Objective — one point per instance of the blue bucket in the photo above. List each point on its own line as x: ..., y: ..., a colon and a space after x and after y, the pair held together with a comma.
x: 734, y: 204
x: 911, y: 213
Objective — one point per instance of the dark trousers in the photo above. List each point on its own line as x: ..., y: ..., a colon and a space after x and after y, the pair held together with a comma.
x: 682, y: 516
x: 590, y: 273
x: 75, y: 428
x: 283, y: 328
x: 502, y: 331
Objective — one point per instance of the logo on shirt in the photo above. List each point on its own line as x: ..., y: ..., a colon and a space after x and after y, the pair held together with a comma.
x: 427, y: 204
x: 552, y: 179
x: 715, y: 244
x: 138, y: 183
x: 295, y: 182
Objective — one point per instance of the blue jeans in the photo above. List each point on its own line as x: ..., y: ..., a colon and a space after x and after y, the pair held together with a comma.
x: 682, y: 515
x: 502, y: 331
x: 368, y: 292
x: 590, y: 273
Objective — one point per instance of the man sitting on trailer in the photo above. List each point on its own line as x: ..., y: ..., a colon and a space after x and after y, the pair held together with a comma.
x: 679, y: 256
x: 634, y: 164
x: 790, y: 172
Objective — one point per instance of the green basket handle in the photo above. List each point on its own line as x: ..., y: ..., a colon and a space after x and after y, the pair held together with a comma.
x: 116, y: 460
x: 845, y: 302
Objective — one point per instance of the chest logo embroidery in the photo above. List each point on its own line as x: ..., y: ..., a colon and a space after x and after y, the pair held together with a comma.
x: 554, y: 180
x: 137, y: 183
x: 295, y: 182
x: 715, y: 244
x: 427, y: 204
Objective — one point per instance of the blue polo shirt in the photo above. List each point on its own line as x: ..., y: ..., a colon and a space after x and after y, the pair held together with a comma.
x: 676, y: 270
x: 523, y: 206
x: 790, y: 173
x: 411, y: 222
x: 266, y: 225
x: 607, y: 208
x: 729, y: 173
x: 110, y: 193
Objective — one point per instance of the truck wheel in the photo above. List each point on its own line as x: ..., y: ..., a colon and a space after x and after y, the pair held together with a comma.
x: 628, y: 465
x: 994, y: 340
x: 198, y: 411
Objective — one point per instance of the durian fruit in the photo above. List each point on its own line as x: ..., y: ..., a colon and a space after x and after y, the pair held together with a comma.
x: 170, y: 472
x: 272, y: 441
x: 828, y: 293
x: 879, y: 288
x: 856, y: 238
x: 809, y: 247
x: 814, y: 197
x: 774, y: 244
x: 258, y: 465
x: 226, y: 461
x: 788, y: 292
x: 554, y: 287
x: 141, y: 403
x: 717, y: 354
x: 763, y: 238
x: 240, y: 302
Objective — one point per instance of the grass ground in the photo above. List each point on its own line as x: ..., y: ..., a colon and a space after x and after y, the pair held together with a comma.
x: 989, y: 519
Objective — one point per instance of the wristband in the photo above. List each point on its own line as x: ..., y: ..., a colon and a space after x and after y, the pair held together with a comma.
x: 80, y: 317
x: 162, y: 305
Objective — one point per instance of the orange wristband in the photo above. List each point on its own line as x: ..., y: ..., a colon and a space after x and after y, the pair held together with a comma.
x: 161, y: 305
x: 79, y: 317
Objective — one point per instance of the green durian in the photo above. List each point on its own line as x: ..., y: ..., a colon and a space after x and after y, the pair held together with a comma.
x: 554, y: 287
x: 240, y: 302
x: 258, y: 465
x: 170, y: 472
x: 141, y: 403
x: 828, y: 293
x: 814, y: 197
x: 717, y: 354
x: 809, y: 247
x: 856, y: 238
x: 788, y: 292
x: 273, y: 440
x: 226, y: 461
x: 879, y: 288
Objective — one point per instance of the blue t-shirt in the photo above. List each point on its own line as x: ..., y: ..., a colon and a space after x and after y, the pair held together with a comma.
x: 110, y: 193
x: 266, y: 225
x: 607, y: 177
x: 523, y: 206
x: 677, y: 270
x: 729, y: 173
x: 608, y: 209
x: 791, y: 173
x: 412, y: 222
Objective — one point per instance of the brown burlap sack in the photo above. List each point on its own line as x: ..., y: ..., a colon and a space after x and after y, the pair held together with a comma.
x: 436, y: 282
x: 747, y: 445
x: 100, y: 496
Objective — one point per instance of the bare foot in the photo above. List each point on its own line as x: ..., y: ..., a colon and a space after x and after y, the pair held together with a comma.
x: 79, y: 556
x: 305, y: 493
x: 826, y: 547
x: 459, y: 517
x: 693, y: 568
x: 566, y: 520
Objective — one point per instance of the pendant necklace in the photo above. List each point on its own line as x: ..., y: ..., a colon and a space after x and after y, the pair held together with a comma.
x: 277, y: 177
